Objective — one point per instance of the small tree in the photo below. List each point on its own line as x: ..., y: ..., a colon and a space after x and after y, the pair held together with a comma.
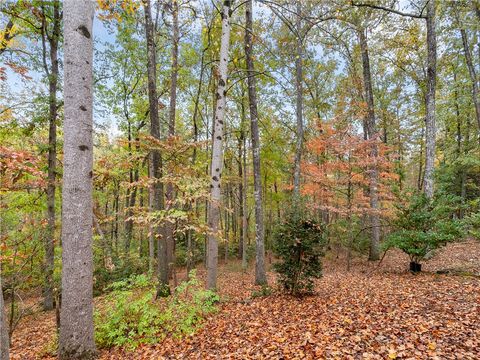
x: 299, y: 242
x: 424, y: 225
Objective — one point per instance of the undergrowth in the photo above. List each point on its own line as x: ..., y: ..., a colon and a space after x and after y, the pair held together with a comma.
x: 131, y: 316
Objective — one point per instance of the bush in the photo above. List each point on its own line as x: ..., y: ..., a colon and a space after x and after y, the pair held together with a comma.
x: 125, y: 268
x: 424, y: 225
x: 299, y: 243
x: 132, y: 317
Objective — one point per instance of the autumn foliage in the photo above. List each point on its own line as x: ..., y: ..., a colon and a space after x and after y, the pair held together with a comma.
x: 337, y: 171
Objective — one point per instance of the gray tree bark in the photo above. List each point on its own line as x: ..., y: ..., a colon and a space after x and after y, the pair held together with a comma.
x: 244, y: 206
x: 169, y: 227
x: 156, y: 197
x: 299, y: 104
x: 76, y: 340
x: 217, y: 151
x: 430, y: 127
x: 52, y: 75
x: 472, y: 73
x: 260, y: 275
x: 371, y: 133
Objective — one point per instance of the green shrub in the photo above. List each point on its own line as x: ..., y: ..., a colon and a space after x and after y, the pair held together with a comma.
x: 125, y: 268
x: 299, y: 243
x: 264, y: 291
x: 132, y: 317
x: 424, y: 225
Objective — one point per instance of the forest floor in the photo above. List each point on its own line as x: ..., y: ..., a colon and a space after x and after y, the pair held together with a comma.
x: 372, y: 312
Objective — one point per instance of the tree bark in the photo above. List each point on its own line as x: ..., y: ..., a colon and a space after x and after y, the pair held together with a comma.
x: 76, y: 340
x: 430, y: 127
x: 299, y: 102
x: 217, y: 151
x: 169, y: 227
x: 52, y: 74
x: 371, y: 132
x: 260, y: 275
x: 156, y: 198
x: 244, y: 207
x: 472, y: 73
x: 240, y: 187
x: 4, y: 340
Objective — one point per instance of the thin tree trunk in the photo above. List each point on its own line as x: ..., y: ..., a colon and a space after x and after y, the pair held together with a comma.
x: 217, y: 151
x: 76, y: 340
x: 260, y: 275
x: 52, y: 74
x: 156, y: 198
x: 240, y: 186
x: 371, y: 136
x: 244, y: 207
x: 117, y: 210
x: 4, y: 338
x: 430, y: 128
x: 131, y: 195
x: 299, y: 104
x: 473, y: 75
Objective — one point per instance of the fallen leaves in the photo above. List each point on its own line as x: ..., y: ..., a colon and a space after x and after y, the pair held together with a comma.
x: 356, y: 315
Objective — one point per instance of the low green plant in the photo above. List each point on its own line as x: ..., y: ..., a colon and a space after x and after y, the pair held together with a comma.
x: 299, y: 243
x: 265, y: 290
x: 131, y: 315
x: 423, y: 225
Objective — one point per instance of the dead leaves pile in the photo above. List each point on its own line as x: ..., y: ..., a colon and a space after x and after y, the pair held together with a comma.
x: 383, y: 314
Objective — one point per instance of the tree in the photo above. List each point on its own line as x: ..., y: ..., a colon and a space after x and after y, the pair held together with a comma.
x: 52, y: 73
x: 423, y: 225
x: 299, y: 96
x: 76, y: 340
x: 430, y: 126
x: 171, y: 123
x: 4, y: 340
x: 471, y: 68
x: 337, y: 170
x: 260, y: 276
x: 156, y: 193
x: 299, y: 243
x: 371, y: 130
x: 217, y: 150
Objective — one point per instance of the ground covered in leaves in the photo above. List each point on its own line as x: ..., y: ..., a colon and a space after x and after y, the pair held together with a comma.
x: 375, y: 311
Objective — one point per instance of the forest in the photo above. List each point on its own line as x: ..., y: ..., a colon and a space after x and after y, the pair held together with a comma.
x: 239, y: 179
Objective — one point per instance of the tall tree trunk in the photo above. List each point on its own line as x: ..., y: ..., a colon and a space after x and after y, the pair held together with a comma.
x: 459, y: 144
x: 240, y: 185
x: 169, y: 227
x: 131, y: 194
x: 52, y: 74
x: 299, y: 104
x: 473, y: 75
x: 217, y: 151
x: 76, y: 340
x: 156, y: 198
x: 371, y: 135
x: 260, y: 275
x: 244, y: 207
x: 430, y: 127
